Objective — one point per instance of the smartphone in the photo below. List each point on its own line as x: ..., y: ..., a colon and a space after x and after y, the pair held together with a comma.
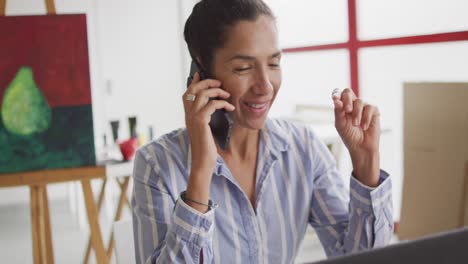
x: 221, y: 122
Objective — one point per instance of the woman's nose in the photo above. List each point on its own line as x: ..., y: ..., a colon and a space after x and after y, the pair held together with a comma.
x: 263, y: 84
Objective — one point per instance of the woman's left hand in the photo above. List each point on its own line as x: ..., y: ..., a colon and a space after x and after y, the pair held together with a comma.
x: 358, y: 125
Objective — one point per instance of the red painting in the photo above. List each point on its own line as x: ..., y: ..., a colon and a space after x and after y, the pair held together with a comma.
x: 45, y: 94
x: 56, y: 47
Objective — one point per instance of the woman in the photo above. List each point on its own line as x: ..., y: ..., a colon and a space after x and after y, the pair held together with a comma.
x: 194, y: 202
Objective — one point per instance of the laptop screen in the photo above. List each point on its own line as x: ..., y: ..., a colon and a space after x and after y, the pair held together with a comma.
x: 449, y: 247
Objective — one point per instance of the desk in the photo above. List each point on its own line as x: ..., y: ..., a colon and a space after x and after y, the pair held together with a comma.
x: 40, y: 217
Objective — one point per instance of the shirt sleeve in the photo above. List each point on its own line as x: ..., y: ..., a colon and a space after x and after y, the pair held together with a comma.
x: 166, y: 230
x: 348, y: 221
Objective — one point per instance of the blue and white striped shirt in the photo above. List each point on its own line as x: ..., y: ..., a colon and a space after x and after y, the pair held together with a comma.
x: 297, y: 183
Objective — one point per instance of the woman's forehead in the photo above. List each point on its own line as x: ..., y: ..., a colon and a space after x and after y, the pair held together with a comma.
x: 251, y: 38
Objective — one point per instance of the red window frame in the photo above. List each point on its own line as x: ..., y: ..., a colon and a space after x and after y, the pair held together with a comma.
x: 354, y: 44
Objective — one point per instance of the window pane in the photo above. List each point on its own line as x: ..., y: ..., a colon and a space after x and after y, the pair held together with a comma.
x: 310, y: 22
x: 309, y: 78
x: 385, y: 19
x: 383, y: 72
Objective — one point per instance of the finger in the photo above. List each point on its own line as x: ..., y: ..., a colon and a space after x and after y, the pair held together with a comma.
x: 195, y: 87
x: 347, y: 97
x: 353, y: 95
x: 204, y: 96
x: 214, y: 105
x: 369, y: 113
x: 336, y: 93
x: 338, y: 105
x: 358, y: 105
x: 336, y: 97
x: 196, y: 78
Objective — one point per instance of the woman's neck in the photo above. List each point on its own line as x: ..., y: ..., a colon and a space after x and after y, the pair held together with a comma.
x: 243, y: 143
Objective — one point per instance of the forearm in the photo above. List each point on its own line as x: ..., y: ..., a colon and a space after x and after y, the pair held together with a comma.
x: 366, y: 168
x: 198, y: 189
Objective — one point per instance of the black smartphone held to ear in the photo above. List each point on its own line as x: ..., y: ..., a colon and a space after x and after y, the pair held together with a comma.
x: 221, y: 122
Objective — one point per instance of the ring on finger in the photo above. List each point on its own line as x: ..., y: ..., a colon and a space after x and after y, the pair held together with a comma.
x: 336, y: 92
x: 190, y: 97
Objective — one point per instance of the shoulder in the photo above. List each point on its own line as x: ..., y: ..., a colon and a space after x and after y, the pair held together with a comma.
x: 171, y: 147
x: 293, y: 132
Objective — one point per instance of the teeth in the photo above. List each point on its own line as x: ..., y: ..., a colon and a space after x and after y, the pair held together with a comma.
x: 256, y: 105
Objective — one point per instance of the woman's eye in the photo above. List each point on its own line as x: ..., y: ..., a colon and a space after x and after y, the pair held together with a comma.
x: 242, y: 69
x: 274, y: 65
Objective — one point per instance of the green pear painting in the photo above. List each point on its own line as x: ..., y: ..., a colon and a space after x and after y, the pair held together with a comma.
x: 25, y: 110
x: 46, y: 119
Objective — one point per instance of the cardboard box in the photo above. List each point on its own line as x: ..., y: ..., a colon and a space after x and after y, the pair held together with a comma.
x: 435, y: 180
x: 465, y: 220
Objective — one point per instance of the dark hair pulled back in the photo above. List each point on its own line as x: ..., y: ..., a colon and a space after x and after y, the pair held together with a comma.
x: 207, y: 27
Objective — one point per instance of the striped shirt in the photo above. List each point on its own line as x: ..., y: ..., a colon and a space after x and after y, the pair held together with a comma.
x: 297, y: 183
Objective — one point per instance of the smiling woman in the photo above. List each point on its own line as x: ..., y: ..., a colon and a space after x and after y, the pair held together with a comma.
x: 195, y: 202
x: 249, y: 65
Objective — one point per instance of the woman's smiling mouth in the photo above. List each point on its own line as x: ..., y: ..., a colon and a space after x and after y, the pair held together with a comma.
x: 257, y: 108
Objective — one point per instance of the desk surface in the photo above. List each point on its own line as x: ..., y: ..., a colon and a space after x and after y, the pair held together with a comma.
x: 120, y: 169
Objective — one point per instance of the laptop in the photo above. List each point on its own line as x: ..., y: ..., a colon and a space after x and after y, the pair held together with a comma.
x: 448, y: 247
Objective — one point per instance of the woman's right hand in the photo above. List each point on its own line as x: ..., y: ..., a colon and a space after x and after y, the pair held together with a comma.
x: 197, y: 118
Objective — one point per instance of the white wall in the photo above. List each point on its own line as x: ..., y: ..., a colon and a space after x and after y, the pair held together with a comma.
x: 140, y: 54
x: 135, y: 53
x: 185, y: 10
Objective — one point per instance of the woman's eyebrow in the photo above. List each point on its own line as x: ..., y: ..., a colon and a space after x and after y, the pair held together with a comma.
x: 247, y: 57
x: 276, y: 55
x: 241, y: 57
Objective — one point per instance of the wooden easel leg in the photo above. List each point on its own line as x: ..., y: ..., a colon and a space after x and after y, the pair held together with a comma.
x: 99, y: 205
x: 127, y: 203
x: 2, y: 7
x: 93, y: 219
x: 50, y: 6
x: 40, y: 225
x: 123, y: 198
x: 45, y: 225
x: 35, y: 224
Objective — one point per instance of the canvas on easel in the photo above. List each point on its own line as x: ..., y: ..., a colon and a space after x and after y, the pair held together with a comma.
x: 46, y: 117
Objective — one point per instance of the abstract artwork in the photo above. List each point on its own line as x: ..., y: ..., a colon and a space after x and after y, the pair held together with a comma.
x: 46, y: 117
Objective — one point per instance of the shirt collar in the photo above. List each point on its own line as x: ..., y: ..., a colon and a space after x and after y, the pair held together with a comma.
x: 274, y: 137
x: 277, y: 136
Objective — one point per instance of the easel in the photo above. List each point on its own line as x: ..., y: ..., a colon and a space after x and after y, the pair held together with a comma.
x: 37, y: 182
x: 121, y: 173
x: 40, y: 220
x: 40, y: 217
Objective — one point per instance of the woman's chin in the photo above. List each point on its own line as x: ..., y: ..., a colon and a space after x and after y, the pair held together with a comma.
x: 252, y: 118
x: 254, y: 124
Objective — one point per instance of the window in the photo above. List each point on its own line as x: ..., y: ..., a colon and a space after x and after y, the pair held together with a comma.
x: 381, y: 45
